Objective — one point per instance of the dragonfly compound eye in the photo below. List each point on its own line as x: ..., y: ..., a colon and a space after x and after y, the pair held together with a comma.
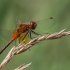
x: 33, y: 25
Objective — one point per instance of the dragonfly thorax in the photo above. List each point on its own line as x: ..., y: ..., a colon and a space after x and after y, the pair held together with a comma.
x: 33, y: 25
x: 22, y: 28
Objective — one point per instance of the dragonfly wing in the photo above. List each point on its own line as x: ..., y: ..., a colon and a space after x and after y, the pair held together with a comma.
x: 17, y: 23
x: 44, y: 25
x: 23, y: 37
x: 5, y: 34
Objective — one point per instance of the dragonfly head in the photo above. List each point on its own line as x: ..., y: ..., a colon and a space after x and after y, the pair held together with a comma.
x: 33, y: 25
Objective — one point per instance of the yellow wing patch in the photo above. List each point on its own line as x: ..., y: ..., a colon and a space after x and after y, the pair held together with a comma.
x: 23, y: 38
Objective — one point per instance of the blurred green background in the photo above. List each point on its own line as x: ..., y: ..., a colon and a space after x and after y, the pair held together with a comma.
x: 46, y: 55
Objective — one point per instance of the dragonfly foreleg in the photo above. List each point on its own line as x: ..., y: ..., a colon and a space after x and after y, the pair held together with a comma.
x: 34, y: 32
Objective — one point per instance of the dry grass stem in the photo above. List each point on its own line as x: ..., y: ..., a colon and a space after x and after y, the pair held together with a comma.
x: 23, y: 66
x: 23, y: 47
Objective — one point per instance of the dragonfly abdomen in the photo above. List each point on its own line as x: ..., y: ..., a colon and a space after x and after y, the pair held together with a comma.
x: 6, y: 46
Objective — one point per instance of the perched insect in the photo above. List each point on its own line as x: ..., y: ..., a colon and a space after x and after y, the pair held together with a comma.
x: 26, y: 30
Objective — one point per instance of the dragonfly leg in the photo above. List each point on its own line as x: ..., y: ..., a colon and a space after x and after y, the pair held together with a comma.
x: 34, y: 32
x: 30, y: 35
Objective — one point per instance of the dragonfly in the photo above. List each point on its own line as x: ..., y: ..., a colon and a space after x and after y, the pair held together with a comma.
x: 23, y: 31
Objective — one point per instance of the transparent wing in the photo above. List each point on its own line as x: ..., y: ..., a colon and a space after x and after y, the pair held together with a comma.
x: 44, y: 25
x: 6, y: 34
x: 17, y: 23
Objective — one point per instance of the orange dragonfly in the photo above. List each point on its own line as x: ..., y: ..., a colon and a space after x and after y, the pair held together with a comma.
x: 25, y: 30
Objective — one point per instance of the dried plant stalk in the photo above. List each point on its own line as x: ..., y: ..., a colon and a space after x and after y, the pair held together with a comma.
x: 23, y: 47
x: 23, y: 66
